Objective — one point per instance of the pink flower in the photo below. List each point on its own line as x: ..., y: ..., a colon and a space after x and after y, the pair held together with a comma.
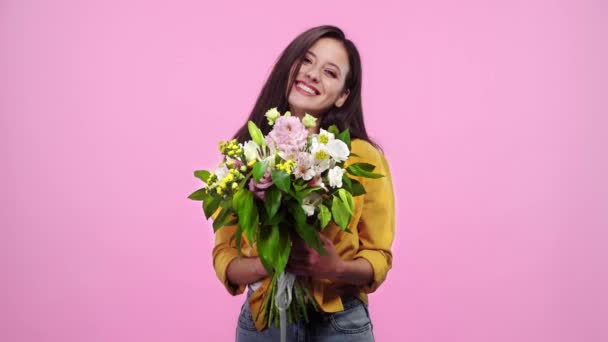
x: 289, y: 136
x: 259, y: 188
x: 304, y: 166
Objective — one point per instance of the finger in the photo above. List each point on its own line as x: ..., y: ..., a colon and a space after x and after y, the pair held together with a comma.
x: 297, y: 270
x: 299, y: 260
x: 325, y: 240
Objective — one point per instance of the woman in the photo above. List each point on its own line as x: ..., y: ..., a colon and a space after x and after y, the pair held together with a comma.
x: 319, y: 73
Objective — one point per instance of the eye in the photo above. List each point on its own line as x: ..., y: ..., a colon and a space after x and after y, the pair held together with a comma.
x: 306, y: 60
x: 331, y: 73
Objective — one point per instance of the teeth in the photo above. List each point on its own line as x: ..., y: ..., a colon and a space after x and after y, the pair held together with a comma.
x: 306, y: 89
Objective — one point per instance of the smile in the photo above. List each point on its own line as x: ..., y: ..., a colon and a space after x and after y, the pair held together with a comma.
x: 306, y: 89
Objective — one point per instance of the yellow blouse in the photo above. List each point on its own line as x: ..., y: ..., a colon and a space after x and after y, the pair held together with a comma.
x: 373, y: 230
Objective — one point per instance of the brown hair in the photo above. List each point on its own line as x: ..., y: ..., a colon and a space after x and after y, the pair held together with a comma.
x: 273, y: 94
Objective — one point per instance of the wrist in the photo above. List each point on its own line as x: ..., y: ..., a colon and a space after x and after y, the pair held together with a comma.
x: 341, y: 269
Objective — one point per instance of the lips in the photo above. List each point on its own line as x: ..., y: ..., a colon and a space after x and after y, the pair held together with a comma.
x: 298, y: 83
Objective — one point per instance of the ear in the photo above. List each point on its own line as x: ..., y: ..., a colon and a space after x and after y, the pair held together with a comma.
x: 342, y: 98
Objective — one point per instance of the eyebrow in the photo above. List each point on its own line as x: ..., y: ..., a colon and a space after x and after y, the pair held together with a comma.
x: 330, y: 63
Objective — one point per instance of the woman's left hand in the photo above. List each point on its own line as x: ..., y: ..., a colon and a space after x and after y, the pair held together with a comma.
x: 305, y: 261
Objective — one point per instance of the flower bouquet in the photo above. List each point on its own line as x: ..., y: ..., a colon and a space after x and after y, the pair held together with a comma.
x: 286, y: 184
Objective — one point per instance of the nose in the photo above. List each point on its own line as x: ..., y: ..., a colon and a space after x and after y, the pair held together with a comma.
x: 312, y: 74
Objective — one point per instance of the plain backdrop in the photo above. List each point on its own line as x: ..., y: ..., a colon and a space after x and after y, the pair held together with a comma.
x: 492, y: 114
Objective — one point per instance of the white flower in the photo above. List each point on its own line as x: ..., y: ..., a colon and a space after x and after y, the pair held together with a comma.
x: 221, y: 171
x: 325, y: 136
x: 335, y: 177
x: 304, y: 166
x: 322, y: 165
x: 310, y: 202
x: 338, y: 150
x: 251, y: 151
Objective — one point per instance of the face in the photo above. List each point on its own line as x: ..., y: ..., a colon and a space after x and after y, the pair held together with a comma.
x: 319, y: 83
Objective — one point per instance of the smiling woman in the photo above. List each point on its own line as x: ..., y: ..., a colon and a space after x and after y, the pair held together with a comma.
x: 319, y: 73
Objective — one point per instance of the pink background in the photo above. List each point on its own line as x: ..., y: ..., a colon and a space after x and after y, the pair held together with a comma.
x: 493, y: 116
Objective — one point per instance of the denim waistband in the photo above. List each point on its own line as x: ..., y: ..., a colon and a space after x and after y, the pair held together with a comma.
x: 348, y: 301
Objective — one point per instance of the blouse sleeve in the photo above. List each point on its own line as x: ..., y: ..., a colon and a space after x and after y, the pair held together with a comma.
x: 376, y: 226
x: 223, y: 254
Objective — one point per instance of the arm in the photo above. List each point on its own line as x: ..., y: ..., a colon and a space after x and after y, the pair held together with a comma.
x: 371, y: 263
x: 233, y: 273
x: 377, y: 223
x: 357, y: 272
x: 245, y: 271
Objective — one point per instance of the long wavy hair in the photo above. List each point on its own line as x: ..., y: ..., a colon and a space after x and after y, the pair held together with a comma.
x: 273, y: 94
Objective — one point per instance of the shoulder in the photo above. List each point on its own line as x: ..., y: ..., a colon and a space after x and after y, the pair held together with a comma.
x: 365, y: 151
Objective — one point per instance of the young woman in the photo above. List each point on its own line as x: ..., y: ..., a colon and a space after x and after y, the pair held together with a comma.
x: 319, y: 73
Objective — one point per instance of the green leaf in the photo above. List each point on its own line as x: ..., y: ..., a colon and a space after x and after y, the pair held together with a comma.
x: 346, y: 183
x: 259, y: 169
x: 301, y: 194
x: 357, y: 188
x: 198, y: 195
x: 276, y: 219
x: 267, y: 244
x: 202, y: 175
x: 299, y: 187
x: 324, y: 215
x: 365, y: 166
x: 361, y: 169
x: 273, y: 248
x: 222, y: 219
x: 345, y: 137
x: 347, y: 199
x: 284, y: 250
x: 247, y: 212
x: 272, y: 201
x: 281, y: 179
x: 339, y: 212
x: 305, y: 230
x: 210, y: 205
x: 238, y: 236
x: 333, y: 129
x: 255, y: 133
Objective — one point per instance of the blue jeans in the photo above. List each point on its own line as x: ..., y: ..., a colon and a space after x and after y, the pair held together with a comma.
x: 352, y: 324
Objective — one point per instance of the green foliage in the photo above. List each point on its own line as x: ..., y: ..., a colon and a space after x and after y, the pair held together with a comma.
x: 255, y: 133
x: 339, y: 212
x: 259, y: 169
x: 281, y: 179
x: 198, y: 195
x: 272, y: 201
x: 210, y: 205
x: 247, y: 212
x: 324, y: 215
x: 333, y: 129
x: 305, y: 230
x: 345, y: 137
x: 356, y: 188
x: 222, y: 219
x: 363, y: 170
x: 274, y: 246
x: 202, y: 175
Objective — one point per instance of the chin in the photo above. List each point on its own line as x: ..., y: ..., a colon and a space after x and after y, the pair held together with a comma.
x: 303, y: 104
